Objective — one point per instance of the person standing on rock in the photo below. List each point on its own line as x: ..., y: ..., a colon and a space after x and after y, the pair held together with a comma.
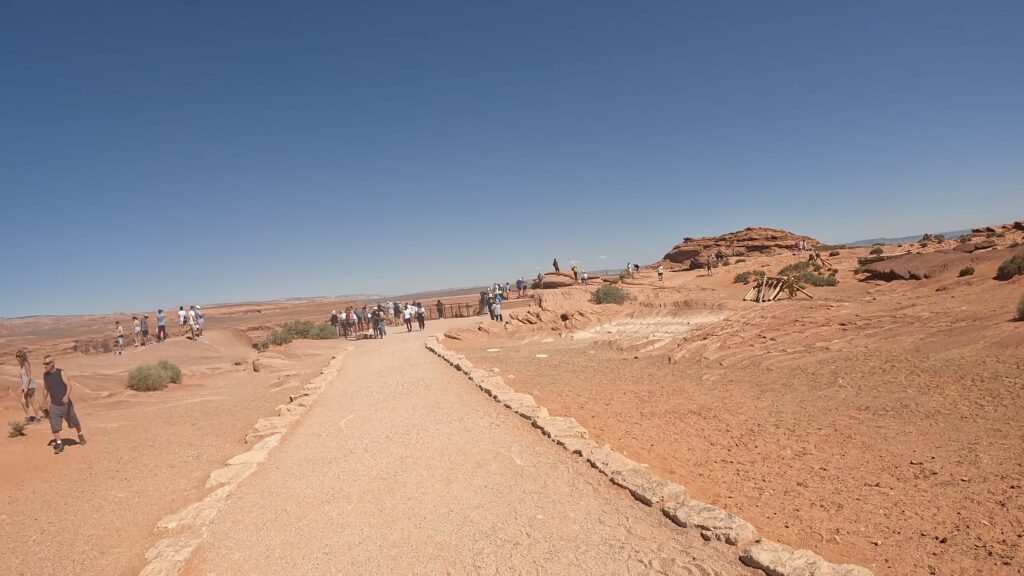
x: 136, y: 330
x: 200, y: 320
x: 709, y: 264
x: 28, y: 387
x: 118, y: 339
x: 661, y: 273
x: 181, y: 320
x: 555, y: 264
x: 193, y: 325
x: 58, y: 394
x: 161, y: 325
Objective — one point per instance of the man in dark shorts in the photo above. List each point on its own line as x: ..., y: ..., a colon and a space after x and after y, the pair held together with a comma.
x: 58, y: 394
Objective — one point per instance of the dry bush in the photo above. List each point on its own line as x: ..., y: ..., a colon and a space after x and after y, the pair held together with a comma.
x: 17, y: 429
x: 148, y: 378
x: 877, y: 250
x: 966, y: 271
x: 1010, y: 267
x: 172, y: 370
x: 609, y: 294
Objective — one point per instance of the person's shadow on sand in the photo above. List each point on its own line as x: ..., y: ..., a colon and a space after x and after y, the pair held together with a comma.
x: 64, y: 441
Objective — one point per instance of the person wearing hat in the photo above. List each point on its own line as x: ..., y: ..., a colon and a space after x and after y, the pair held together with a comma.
x: 200, y: 320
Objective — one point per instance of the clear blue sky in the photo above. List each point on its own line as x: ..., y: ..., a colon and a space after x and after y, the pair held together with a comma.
x: 193, y: 152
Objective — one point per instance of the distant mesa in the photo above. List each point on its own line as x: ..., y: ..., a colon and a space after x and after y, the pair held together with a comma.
x: 746, y: 242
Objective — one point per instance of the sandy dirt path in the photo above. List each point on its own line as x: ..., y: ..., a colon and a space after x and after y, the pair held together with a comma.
x: 402, y: 467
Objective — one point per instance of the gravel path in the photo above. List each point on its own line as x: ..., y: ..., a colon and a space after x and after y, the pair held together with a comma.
x: 403, y: 467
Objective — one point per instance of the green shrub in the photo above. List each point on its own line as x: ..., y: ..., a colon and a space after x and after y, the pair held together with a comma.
x: 17, y: 429
x: 806, y: 272
x: 833, y: 253
x: 964, y: 239
x: 609, y: 294
x: 323, y: 332
x: 966, y: 271
x: 746, y: 277
x: 172, y: 370
x: 279, y: 338
x: 147, y: 378
x: 876, y: 250
x: 297, y: 329
x: 726, y: 262
x: 1020, y: 309
x: 740, y: 260
x: 1010, y: 267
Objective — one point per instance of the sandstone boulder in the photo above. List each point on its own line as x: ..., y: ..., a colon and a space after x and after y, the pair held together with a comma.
x: 647, y: 487
x: 714, y: 523
x: 780, y: 560
x: 552, y: 280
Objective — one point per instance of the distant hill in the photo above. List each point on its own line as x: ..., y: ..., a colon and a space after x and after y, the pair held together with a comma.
x: 907, y: 239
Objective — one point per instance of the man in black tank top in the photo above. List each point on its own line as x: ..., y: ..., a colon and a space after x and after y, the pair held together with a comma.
x: 58, y: 393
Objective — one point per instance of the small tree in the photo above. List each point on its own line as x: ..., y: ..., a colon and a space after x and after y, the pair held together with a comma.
x: 876, y: 250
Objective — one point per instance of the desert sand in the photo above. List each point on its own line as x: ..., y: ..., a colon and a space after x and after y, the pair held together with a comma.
x: 880, y: 423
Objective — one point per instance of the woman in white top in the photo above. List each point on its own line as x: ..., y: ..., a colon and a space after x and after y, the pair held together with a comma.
x: 28, y: 387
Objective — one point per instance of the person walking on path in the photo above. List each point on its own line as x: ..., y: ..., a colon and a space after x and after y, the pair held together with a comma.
x: 421, y: 316
x: 555, y: 264
x: 145, y: 329
x: 28, y: 387
x: 161, y: 325
x: 58, y: 394
x: 181, y: 320
x: 661, y: 273
x: 118, y: 339
x: 407, y: 317
x: 709, y: 264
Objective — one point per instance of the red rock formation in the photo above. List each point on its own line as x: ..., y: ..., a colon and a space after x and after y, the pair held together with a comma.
x: 746, y: 242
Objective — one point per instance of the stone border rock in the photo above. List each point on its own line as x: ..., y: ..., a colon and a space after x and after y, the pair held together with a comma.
x: 713, y: 523
x: 187, y: 528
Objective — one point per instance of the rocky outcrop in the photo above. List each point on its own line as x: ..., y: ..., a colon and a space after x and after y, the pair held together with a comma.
x: 553, y: 280
x: 746, y: 242
x: 919, y: 266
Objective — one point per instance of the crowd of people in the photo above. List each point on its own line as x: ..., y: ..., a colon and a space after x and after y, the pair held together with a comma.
x: 375, y: 319
x: 190, y: 323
